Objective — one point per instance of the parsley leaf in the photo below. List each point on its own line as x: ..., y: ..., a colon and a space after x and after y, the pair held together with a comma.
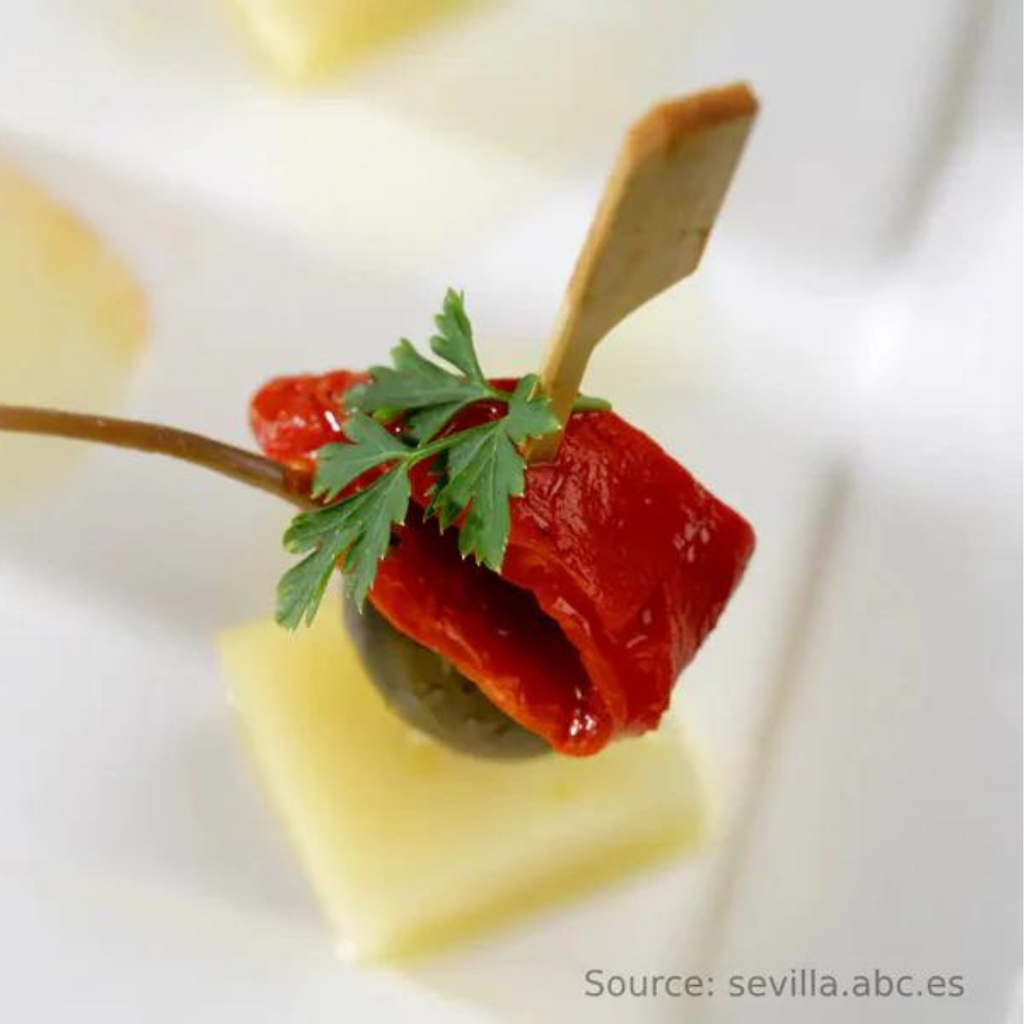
x: 424, y: 424
x: 384, y: 505
x: 529, y: 415
x: 478, y: 470
x: 415, y: 382
x: 483, y: 470
x: 454, y: 340
x: 339, y: 464
x: 355, y: 532
x: 302, y: 587
x: 426, y: 393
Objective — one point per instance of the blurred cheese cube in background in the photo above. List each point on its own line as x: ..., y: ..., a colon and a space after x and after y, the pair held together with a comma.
x: 72, y: 322
x: 512, y: 100
x: 308, y: 38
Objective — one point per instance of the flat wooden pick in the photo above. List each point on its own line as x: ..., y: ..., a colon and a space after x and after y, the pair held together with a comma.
x: 650, y: 229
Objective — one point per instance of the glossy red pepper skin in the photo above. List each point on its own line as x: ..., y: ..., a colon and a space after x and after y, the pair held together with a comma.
x: 618, y: 566
x: 292, y: 417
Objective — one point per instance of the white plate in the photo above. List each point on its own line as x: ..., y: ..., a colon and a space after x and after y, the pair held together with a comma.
x: 859, y: 707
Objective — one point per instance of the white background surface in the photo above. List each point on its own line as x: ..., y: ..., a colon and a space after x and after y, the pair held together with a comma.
x: 846, y: 369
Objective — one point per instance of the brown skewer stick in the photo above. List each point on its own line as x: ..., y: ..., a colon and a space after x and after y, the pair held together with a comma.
x: 293, y: 485
x: 649, y: 231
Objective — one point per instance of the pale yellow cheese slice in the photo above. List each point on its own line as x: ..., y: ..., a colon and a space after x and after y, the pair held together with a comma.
x: 72, y: 322
x: 408, y: 844
x: 306, y: 38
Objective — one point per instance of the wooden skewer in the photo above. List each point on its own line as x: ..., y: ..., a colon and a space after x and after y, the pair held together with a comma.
x: 291, y: 484
x: 649, y: 231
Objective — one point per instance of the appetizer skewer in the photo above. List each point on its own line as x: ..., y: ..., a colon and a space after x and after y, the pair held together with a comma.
x: 595, y: 574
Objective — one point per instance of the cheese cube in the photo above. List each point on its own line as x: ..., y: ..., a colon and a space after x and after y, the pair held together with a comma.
x: 410, y: 845
x: 72, y: 323
x: 305, y: 38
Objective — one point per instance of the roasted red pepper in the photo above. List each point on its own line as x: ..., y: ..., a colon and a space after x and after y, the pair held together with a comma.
x: 618, y: 566
x: 291, y: 417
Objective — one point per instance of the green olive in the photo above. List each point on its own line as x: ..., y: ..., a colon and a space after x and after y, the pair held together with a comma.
x: 430, y: 694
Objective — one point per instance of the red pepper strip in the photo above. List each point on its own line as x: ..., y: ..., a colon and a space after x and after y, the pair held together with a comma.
x: 292, y: 417
x: 618, y: 566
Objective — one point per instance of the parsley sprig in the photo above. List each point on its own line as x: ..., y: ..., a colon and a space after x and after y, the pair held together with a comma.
x: 477, y: 470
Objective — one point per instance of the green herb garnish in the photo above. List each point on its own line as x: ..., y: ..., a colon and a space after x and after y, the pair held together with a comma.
x: 478, y: 470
